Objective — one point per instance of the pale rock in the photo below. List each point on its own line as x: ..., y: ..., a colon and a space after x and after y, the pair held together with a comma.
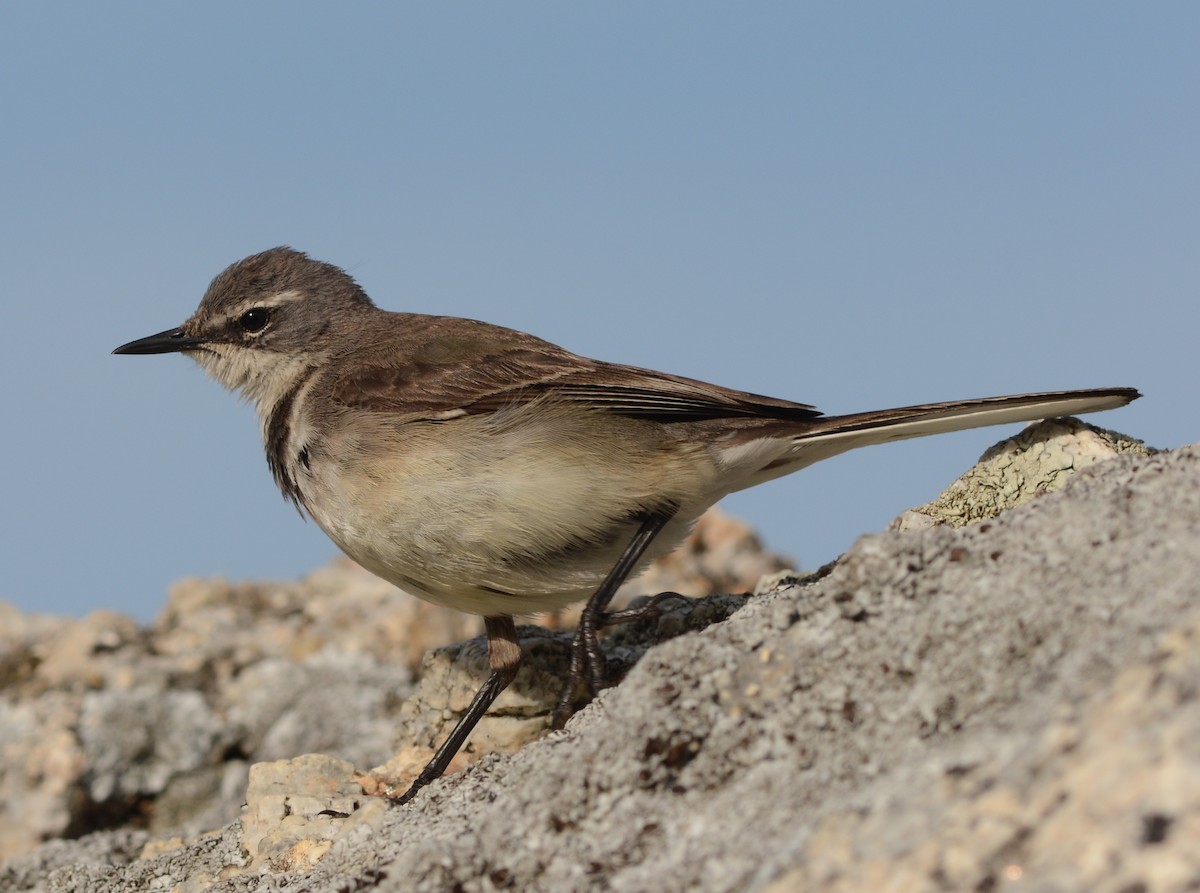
x: 1041, y: 459
x: 1009, y: 705
x: 296, y: 809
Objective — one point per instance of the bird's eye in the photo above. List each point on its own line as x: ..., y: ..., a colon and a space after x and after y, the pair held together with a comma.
x: 255, y: 319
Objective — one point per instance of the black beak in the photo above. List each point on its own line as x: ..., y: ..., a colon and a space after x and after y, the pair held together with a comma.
x: 170, y: 341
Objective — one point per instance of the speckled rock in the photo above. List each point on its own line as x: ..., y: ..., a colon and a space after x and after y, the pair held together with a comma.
x: 1041, y: 459
x: 1009, y: 704
x: 105, y: 723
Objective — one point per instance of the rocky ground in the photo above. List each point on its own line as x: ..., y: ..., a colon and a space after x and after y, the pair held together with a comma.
x: 1009, y: 704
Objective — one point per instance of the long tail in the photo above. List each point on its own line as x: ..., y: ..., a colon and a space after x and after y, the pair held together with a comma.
x: 823, y: 437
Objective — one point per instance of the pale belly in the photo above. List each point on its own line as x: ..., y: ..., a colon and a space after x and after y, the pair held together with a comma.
x: 497, y: 525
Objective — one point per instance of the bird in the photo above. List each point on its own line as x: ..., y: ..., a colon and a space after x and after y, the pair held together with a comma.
x: 487, y: 470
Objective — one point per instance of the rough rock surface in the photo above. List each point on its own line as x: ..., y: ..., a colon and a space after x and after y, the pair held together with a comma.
x: 105, y: 724
x: 1041, y: 459
x: 1012, y: 704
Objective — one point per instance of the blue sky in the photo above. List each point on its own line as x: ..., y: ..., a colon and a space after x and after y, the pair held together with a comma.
x: 853, y: 205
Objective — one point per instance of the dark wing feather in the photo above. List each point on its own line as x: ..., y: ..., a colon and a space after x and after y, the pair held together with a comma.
x: 478, y: 368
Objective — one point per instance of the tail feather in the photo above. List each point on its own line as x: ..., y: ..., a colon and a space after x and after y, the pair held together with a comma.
x: 828, y: 436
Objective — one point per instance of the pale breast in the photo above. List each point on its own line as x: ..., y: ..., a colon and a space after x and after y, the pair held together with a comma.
x: 529, y: 512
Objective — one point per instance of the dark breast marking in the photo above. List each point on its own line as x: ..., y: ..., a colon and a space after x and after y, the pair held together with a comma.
x: 278, y: 439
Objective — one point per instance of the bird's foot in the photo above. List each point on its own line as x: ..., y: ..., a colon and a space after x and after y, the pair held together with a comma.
x: 588, y: 664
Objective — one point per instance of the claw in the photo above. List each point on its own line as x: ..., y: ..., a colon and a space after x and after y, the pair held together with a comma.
x: 587, y: 659
x: 652, y: 608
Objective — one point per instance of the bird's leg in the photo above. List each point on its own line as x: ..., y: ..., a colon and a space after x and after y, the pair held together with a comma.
x: 504, y: 657
x: 587, y: 660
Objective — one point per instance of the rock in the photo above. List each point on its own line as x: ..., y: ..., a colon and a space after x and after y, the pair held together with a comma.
x: 949, y: 708
x: 41, y: 769
x: 450, y: 677
x: 296, y: 809
x: 135, y: 741
x: 104, y: 723
x: 1041, y: 459
x: 1105, y: 797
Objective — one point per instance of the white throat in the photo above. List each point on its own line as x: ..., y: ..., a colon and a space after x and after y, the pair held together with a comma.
x: 260, y: 378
